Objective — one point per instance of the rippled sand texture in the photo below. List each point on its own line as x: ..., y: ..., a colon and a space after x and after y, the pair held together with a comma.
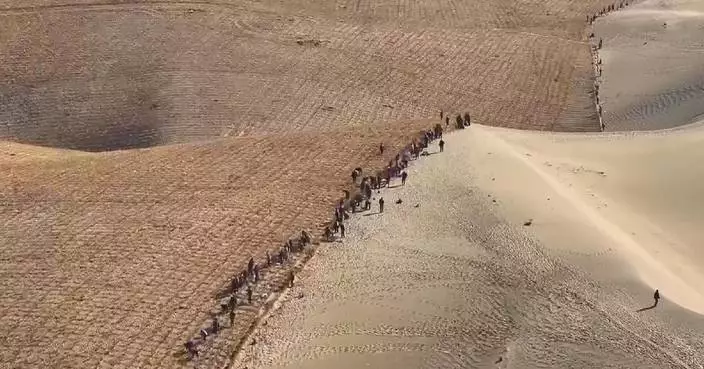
x: 653, y: 64
x: 452, y: 278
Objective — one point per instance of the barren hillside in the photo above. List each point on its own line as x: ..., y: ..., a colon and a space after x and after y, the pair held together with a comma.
x: 112, y: 75
x: 112, y: 259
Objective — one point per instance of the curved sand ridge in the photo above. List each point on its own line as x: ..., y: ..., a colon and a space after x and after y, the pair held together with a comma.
x: 459, y: 281
x: 653, y: 58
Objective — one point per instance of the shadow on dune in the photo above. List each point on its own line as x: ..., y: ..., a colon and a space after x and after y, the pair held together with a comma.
x: 646, y: 308
x: 107, y: 98
x: 116, y: 111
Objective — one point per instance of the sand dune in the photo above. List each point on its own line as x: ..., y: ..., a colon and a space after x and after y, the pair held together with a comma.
x: 653, y: 58
x: 641, y: 192
x: 459, y: 281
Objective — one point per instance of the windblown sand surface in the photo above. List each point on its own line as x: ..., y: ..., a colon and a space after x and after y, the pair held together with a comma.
x: 115, y: 259
x: 452, y: 278
x: 210, y: 131
x: 653, y: 64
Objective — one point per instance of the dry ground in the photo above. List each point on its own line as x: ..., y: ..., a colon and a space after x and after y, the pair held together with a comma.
x: 112, y: 259
x: 96, y: 76
x: 653, y: 58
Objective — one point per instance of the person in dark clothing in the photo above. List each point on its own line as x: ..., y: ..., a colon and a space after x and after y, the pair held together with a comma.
x: 381, y: 205
x: 215, y: 325
x: 249, y: 294
x: 367, y: 204
x: 404, y: 175
x: 354, y: 176
x: 381, y: 148
x: 291, y: 277
x: 191, y: 349
x: 342, y: 230
x: 232, y: 318
x: 467, y: 119
x: 441, y: 113
x: 447, y: 120
x: 656, y: 296
x: 442, y: 145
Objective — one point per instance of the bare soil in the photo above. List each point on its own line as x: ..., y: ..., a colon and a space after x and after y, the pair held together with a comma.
x: 113, y: 259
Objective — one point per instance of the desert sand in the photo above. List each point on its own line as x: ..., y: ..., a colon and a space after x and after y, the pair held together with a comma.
x: 453, y: 277
x: 179, y: 139
x: 653, y: 57
x: 517, y: 249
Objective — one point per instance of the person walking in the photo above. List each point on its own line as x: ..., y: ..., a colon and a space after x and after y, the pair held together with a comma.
x: 656, y: 296
x: 192, y: 349
x: 342, y: 230
x: 250, y: 266
x: 404, y: 175
x: 215, y: 325
x: 381, y: 204
x: 291, y: 277
x: 442, y: 145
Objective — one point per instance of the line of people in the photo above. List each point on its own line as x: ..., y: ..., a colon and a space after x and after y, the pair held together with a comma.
x: 604, y: 11
x: 396, y: 168
x: 461, y: 120
x: 596, y: 60
x: 245, y: 280
x: 252, y: 275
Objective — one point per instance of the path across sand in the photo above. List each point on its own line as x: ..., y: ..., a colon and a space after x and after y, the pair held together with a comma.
x: 459, y: 281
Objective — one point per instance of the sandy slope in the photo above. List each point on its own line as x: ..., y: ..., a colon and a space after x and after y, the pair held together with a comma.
x: 640, y: 192
x: 460, y: 282
x: 653, y: 63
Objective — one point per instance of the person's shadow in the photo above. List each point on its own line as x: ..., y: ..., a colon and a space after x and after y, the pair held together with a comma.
x: 647, y: 308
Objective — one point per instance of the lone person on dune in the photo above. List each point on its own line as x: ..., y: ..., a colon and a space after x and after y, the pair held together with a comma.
x: 656, y: 296
x: 442, y: 145
x: 381, y: 205
x: 404, y: 175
